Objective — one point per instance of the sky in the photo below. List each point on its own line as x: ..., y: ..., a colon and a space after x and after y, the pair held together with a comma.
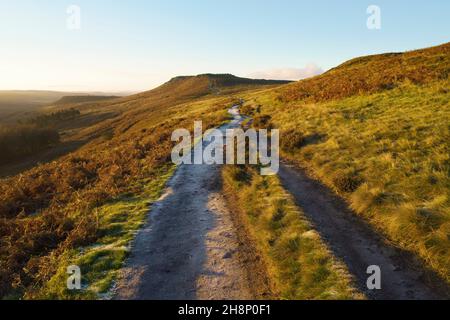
x: 135, y: 45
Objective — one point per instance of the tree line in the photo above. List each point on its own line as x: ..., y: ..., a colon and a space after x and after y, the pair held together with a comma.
x: 23, y: 140
x: 54, y: 118
x: 33, y: 135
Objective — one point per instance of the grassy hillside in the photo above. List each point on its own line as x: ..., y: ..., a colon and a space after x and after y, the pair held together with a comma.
x: 15, y: 104
x: 376, y: 130
x: 99, y: 118
x: 18, y: 105
x: 372, y: 74
x: 31, y: 97
x: 85, y: 207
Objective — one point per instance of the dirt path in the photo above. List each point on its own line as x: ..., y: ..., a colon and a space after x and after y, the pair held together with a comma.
x: 188, y: 248
x: 355, y: 243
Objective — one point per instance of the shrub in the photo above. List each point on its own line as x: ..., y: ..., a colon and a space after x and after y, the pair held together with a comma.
x: 347, y: 182
x: 291, y: 140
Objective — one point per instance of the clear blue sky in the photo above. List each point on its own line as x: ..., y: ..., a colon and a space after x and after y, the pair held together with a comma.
x: 135, y: 45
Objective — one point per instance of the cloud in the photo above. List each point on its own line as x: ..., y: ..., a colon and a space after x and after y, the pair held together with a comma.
x: 310, y: 70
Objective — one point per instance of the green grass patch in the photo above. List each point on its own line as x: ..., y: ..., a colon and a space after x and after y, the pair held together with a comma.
x: 100, y: 263
x: 298, y: 261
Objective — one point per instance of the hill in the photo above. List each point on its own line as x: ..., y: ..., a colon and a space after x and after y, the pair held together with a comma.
x: 99, y: 194
x: 189, y: 87
x: 14, y: 104
x: 376, y: 131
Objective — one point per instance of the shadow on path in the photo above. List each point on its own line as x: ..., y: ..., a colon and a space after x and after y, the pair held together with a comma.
x: 353, y: 241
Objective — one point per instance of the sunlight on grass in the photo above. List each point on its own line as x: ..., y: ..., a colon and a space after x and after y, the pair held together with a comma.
x: 298, y: 260
x: 387, y: 154
x: 119, y: 221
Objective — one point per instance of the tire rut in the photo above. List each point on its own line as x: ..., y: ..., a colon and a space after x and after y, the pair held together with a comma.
x: 353, y: 241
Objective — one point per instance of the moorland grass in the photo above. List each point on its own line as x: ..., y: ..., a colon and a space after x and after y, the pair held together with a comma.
x: 50, y: 214
x: 298, y: 261
x: 387, y: 154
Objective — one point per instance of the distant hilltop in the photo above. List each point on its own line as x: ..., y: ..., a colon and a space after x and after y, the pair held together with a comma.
x: 226, y: 79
